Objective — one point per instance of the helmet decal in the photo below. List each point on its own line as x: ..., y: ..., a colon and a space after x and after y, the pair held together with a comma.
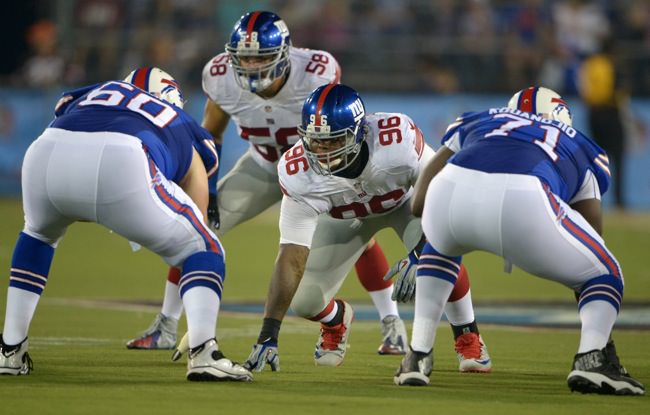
x: 158, y: 83
x: 542, y: 101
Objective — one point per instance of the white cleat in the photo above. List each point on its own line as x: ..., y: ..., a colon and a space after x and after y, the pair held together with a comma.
x: 207, y: 363
x: 14, y: 360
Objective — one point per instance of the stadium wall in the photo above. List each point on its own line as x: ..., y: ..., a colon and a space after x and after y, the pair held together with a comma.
x: 25, y: 113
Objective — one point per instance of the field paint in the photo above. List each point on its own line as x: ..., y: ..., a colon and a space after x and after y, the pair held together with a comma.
x: 552, y: 315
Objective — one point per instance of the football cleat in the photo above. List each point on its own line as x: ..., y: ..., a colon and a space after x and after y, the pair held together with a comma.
x: 207, y: 363
x: 415, y: 369
x: 395, y: 338
x: 599, y: 371
x: 14, y: 360
x: 160, y: 335
x: 472, y: 354
x: 333, y: 340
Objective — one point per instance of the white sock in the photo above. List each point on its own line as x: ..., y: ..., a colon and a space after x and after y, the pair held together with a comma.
x: 460, y: 312
x: 172, y: 304
x: 384, y: 305
x: 598, y: 318
x: 201, y: 310
x: 330, y: 316
x: 431, y: 294
x: 21, y: 306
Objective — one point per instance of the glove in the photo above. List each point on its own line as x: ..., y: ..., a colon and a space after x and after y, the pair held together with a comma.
x: 404, y: 285
x: 213, y: 212
x: 262, y: 353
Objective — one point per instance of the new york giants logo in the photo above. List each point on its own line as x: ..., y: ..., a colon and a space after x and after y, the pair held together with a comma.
x: 358, y: 112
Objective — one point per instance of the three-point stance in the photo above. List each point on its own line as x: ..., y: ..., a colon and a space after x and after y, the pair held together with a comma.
x: 350, y: 176
x: 261, y: 82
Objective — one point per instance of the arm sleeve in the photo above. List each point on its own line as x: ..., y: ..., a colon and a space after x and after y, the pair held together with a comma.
x: 297, y: 222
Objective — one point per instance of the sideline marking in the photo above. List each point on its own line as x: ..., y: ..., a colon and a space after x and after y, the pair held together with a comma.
x: 537, y: 315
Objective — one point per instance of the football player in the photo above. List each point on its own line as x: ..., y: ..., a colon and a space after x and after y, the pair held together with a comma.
x: 126, y: 156
x: 261, y: 82
x: 524, y: 185
x: 349, y: 176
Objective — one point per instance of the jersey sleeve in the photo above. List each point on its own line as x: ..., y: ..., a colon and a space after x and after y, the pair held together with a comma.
x: 317, y: 67
x: 297, y: 222
x: 213, y: 76
x: 332, y: 69
x: 204, y: 145
x: 454, y: 137
x: 599, y: 162
x: 69, y: 97
x: 403, y: 154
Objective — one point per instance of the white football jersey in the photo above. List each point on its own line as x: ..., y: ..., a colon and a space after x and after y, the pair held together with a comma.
x: 397, y: 152
x: 270, y: 125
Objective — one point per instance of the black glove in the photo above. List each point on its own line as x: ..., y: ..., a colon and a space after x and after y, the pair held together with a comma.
x: 213, y: 212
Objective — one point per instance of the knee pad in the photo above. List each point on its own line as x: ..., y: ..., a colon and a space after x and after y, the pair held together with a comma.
x: 30, y: 264
x: 604, y: 288
x: 434, y: 264
x: 203, y: 269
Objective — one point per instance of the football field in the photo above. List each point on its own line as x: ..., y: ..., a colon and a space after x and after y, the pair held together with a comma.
x: 100, y: 294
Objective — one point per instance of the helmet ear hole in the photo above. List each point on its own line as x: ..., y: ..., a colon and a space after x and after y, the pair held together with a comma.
x: 542, y: 101
x: 158, y: 83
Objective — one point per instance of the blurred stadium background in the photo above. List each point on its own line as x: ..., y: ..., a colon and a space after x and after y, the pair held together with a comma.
x: 431, y: 59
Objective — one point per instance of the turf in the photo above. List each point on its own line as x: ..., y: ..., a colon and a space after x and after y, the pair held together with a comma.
x: 87, y: 313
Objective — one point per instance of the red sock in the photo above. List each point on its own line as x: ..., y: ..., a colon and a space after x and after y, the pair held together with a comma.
x: 371, y: 267
x: 462, y: 285
x: 174, y: 275
x: 328, y: 309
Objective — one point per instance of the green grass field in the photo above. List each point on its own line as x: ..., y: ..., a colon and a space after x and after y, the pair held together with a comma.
x: 100, y: 294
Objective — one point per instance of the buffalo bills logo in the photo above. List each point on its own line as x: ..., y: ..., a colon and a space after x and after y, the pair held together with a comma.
x: 561, y: 106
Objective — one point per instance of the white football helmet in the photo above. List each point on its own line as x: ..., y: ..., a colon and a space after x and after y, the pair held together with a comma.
x: 542, y: 101
x: 158, y: 83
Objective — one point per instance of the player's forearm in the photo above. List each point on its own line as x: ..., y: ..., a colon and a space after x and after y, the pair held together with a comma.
x: 289, y: 267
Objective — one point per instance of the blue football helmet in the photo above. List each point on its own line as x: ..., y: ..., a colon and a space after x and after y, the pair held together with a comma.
x: 332, y: 128
x: 263, y: 36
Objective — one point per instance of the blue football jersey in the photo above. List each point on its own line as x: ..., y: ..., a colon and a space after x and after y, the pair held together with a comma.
x: 167, y: 132
x: 503, y: 140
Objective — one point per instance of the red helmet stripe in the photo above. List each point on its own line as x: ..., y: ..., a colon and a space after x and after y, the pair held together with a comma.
x: 527, y: 100
x: 141, y: 78
x: 251, y: 25
x: 321, y: 101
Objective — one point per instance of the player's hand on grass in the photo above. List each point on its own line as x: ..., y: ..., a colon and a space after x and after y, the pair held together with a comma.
x: 404, y: 284
x: 263, y: 353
